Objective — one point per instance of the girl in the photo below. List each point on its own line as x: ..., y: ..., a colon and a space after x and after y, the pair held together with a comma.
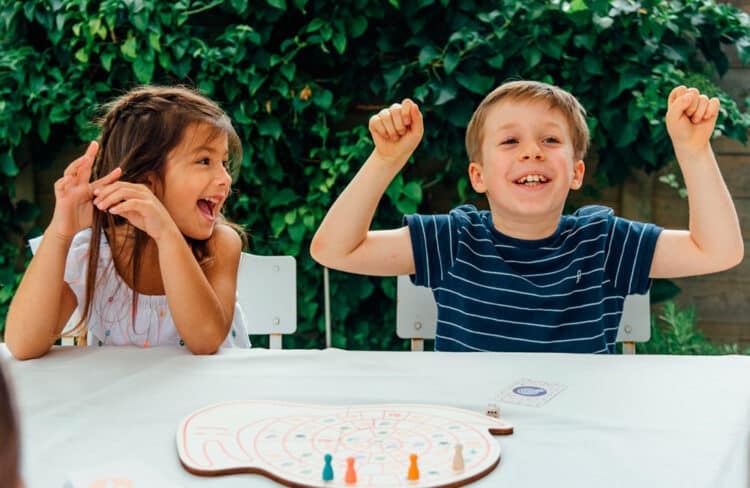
x: 143, y: 250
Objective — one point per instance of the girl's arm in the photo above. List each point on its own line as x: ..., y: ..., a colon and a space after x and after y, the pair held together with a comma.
x: 43, y: 302
x: 202, y: 304
x: 714, y: 240
x: 201, y: 301
x: 344, y: 240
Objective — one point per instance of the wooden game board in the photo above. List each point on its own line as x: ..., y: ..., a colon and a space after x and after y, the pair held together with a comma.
x: 287, y: 442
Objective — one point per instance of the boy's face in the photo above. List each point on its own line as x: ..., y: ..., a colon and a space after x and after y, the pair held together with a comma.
x: 527, y: 166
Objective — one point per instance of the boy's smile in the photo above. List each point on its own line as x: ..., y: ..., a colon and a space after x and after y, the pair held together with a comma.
x: 527, y: 167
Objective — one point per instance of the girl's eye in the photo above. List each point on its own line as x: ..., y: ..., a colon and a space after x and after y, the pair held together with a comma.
x: 551, y: 140
x: 509, y: 141
x: 226, y: 165
x: 204, y: 161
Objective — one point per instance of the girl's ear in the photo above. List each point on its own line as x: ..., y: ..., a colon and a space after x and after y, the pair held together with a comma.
x: 153, y: 182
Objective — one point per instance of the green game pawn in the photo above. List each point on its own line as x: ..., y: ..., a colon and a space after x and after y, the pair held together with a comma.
x: 328, y: 469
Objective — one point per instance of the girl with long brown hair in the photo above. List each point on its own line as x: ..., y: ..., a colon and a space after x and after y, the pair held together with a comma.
x: 137, y: 240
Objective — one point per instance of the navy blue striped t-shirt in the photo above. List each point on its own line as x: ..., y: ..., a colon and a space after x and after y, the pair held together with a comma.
x: 564, y: 293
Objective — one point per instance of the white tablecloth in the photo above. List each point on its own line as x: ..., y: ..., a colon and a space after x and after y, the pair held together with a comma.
x: 621, y: 421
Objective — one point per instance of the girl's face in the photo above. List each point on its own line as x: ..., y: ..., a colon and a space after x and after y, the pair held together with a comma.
x: 196, y: 180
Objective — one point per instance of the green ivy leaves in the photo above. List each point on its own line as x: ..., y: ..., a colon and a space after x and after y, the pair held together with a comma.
x: 300, y: 79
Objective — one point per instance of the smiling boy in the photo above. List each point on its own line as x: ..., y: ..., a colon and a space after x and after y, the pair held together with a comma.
x: 522, y: 276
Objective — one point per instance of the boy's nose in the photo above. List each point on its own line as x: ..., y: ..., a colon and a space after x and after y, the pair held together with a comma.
x: 531, y: 152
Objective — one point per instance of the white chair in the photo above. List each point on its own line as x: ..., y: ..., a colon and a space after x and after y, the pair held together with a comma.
x: 267, y: 293
x: 416, y: 317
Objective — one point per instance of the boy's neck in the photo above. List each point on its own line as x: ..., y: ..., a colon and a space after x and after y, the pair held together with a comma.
x: 525, y: 228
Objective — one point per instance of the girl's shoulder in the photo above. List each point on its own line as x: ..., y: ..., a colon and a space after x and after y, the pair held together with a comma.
x: 81, y: 243
x: 78, y: 256
x: 224, y: 239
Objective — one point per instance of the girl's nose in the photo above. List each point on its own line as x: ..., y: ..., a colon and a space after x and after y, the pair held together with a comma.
x: 223, y: 176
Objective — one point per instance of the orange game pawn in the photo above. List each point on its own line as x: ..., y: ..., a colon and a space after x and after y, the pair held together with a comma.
x: 350, y: 478
x: 413, y: 474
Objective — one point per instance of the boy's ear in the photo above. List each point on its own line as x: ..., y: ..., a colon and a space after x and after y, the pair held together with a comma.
x: 476, y: 177
x: 579, y: 169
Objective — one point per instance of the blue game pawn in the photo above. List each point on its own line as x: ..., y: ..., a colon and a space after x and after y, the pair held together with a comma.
x: 328, y: 469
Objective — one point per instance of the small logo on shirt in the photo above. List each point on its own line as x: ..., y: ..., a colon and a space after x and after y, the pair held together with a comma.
x: 578, y: 277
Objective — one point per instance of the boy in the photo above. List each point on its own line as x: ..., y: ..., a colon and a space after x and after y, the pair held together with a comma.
x: 521, y: 276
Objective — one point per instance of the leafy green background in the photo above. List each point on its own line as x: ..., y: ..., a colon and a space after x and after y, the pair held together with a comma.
x: 300, y: 78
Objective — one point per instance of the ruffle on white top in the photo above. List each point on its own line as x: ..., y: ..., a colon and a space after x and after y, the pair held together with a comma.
x: 110, y: 319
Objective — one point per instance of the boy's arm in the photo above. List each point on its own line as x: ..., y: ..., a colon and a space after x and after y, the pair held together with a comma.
x: 714, y: 240
x: 343, y: 241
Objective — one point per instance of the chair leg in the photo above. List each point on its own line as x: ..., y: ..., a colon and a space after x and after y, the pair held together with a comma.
x: 417, y: 345
x: 628, y: 347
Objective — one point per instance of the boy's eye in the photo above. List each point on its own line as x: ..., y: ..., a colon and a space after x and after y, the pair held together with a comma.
x: 226, y: 164
x: 204, y: 161
x: 551, y: 140
x: 510, y: 140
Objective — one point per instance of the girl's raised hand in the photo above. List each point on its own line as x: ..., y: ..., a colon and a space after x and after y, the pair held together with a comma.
x: 73, y: 195
x: 136, y: 203
x: 397, y: 131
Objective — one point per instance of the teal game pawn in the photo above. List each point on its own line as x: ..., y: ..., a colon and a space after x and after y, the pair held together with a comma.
x: 328, y: 469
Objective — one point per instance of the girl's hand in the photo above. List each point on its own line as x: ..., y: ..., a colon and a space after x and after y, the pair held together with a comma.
x: 138, y: 204
x: 691, y: 118
x: 73, y: 195
x: 397, y: 131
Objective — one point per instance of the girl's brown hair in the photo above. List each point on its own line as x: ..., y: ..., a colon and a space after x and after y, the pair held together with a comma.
x: 139, y: 130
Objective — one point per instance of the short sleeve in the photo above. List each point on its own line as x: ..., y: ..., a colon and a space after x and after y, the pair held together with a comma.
x: 434, y: 244
x: 76, y: 263
x: 630, y: 251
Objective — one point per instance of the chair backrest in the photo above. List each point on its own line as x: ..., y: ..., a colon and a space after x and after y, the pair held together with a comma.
x: 416, y: 316
x: 267, y: 293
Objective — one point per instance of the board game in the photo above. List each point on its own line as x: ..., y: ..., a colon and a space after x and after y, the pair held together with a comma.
x: 287, y: 442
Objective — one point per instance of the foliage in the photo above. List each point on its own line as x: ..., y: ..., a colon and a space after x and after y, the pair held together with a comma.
x: 675, y: 333
x: 300, y: 79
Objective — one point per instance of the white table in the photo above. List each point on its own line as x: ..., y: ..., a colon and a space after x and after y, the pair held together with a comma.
x: 630, y: 421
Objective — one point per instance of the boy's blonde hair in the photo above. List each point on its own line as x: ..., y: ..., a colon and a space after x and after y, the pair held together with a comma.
x: 522, y: 90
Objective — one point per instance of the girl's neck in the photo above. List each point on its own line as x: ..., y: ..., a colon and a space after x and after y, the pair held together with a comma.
x: 121, y: 242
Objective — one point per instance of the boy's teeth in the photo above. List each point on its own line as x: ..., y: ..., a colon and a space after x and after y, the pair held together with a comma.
x: 532, y: 179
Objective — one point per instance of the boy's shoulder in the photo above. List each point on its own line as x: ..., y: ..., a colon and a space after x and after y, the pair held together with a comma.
x: 468, y: 213
x: 592, y: 213
x: 461, y: 215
